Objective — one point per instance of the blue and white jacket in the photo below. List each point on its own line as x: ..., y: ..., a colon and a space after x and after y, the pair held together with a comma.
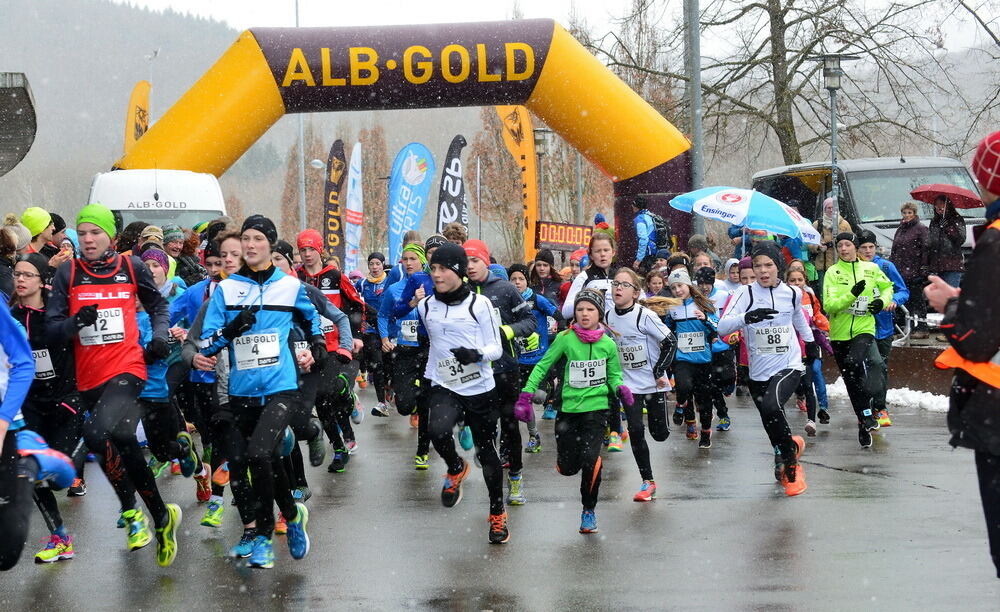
x: 542, y: 308
x: 155, y: 388
x: 400, y: 328
x: 694, y: 336
x: 17, y: 369
x: 884, y: 325
x: 184, y: 310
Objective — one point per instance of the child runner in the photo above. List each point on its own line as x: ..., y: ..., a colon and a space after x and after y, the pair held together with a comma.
x: 592, y: 375
x: 818, y: 322
x: 723, y: 354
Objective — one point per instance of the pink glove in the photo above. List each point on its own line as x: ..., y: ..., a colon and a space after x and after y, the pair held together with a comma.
x: 522, y: 407
x: 625, y: 394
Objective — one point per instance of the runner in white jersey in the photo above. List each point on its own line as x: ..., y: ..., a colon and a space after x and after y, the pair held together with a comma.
x: 769, y: 312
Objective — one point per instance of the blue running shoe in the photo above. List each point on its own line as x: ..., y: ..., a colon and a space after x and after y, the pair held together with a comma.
x: 549, y: 413
x: 298, y: 539
x: 724, y: 424
x: 53, y: 466
x: 188, y: 460
x: 244, y: 548
x: 262, y: 556
x: 465, y: 438
x: 588, y: 522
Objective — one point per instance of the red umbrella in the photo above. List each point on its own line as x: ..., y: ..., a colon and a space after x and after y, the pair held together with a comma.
x: 960, y: 197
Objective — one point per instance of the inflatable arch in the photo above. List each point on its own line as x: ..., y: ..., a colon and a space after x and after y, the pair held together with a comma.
x: 268, y: 72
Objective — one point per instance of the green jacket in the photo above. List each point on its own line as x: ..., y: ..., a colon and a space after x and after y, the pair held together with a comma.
x: 591, y: 375
x: 849, y: 316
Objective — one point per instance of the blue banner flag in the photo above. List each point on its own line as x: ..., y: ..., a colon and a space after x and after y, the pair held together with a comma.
x: 409, y: 185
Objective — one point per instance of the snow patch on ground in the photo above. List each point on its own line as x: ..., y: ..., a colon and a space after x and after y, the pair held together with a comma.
x: 902, y: 398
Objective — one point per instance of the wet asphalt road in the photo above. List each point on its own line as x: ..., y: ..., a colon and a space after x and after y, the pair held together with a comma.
x: 894, y: 527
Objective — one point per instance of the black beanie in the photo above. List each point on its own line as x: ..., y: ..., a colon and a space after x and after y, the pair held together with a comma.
x: 591, y: 296
x: 263, y: 225
x: 705, y: 275
x: 39, y: 261
x: 846, y: 236
x: 546, y: 256
x: 518, y: 267
x: 58, y: 223
x: 451, y: 256
x: 211, y: 249
x: 770, y: 248
x: 866, y: 236
x: 285, y: 250
x: 434, y: 242
x: 376, y: 255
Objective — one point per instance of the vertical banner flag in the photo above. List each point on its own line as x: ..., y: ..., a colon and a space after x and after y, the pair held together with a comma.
x: 409, y: 186
x: 520, y: 141
x: 333, y: 220
x: 451, y: 196
x: 137, y: 115
x: 354, y: 214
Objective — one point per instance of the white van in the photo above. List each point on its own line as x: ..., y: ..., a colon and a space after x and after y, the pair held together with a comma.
x: 159, y: 196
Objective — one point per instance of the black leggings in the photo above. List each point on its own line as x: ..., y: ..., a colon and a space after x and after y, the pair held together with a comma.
x: 480, y: 412
x: 723, y: 377
x: 769, y: 396
x: 988, y: 471
x: 60, y: 423
x: 110, y: 435
x: 852, y: 359
x: 204, y: 403
x: 410, y: 386
x: 261, y: 424
x: 17, y: 480
x: 335, y: 401
x: 656, y: 409
x: 371, y: 362
x: 579, y: 438
x: 162, y: 422
x: 508, y: 386
x: 694, y: 380
x: 806, y: 389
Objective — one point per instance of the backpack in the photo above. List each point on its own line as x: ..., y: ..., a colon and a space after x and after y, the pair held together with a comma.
x: 663, y: 233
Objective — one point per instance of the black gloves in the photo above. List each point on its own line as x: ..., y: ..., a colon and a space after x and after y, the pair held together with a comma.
x: 317, y: 346
x: 243, y: 321
x: 875, y: 306
x: 858, y: 288
x: 465, y: 356
x: 812, y: 350
x: 156, y: 349
x: 87, y: 315
x: 759, y: 314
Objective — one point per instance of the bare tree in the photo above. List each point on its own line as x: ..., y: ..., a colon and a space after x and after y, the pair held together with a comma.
x: 500, y: 185
x: 375, y: 172
x: 315, y: 182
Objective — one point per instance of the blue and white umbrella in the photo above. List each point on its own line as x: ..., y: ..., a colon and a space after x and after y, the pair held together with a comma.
x: 749, y: 208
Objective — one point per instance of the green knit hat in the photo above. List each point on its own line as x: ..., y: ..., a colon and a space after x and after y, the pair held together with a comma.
x: 36, y: 220
x: 100, y: 215
x: 419, y: 250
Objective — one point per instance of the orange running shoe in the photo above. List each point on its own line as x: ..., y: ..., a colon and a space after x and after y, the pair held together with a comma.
x: 362, y: 382
x: 451, y: 490
x: 647, y: 492
x: 221, y: 475
x: 203, y: 483
x: 281, y: 525
x: 794, y: 480
x: 414, y: 420
x: 499, y: 534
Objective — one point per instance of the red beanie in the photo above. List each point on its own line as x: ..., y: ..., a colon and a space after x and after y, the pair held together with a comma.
x: 986, y: 163
x: 477, y: 248
x: 310, y: 238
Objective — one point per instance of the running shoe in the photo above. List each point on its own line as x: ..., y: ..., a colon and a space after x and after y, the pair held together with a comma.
x: 779, y: 467
x: 166, y: 536
x: 515, y: 494
x: 262, y: 556
x: 614, y: 442
x: 352, y: 446
x: 280, y: 525
x: 56, y: 549
x: 647, y: 492
x: 203, y: 484
x: 534, y: 444
x: 810, y: 428
x: 868, y: 420
x: 678, y: 414
x: 379, y: 410
x: 499, y: 534
x: 465, y: 438
x: 301, y: 494
x: 883, y: 418
x: 414, y: 421
x: 188, y: 461
x: 588, y: 522
x: 801, y: 403
x: 692, y: 431
x: 136, y: 529
x: 724, y: 424
x: 298, y: 538
x: 624, y: 435
x: 221, y: 476
x: 339, y: 463
x: 421, y: 462
x: 794, y: 479
x: 705, y: 441
x: 360, y: 379
x: 77, y: 489
x: 549, y: 413
x: 175, y: 468
x: 244, y: 548
x: 317, y: 445
x: 824, y: 417
x: 864, y: 437
x: 157, y: 467
x: 213, y: 513
x: 451, y: 490
x: 357, y: 414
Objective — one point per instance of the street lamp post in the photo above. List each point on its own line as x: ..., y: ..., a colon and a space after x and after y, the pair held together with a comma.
x: 542, y: 136
x: 832, y: 73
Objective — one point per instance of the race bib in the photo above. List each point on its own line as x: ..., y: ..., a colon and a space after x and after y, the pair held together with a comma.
x: 860, y: 306
x: 772, y: 340
x: 809, y: 309
x: 43, y: 365
x: 691, y: 342
x: 326, y: 326
x: 108, y: 329
x: 408, y: 330
x: 633, y: 354
x: 300, y: 345
x: 455, y: 375
x: 590, y: 373
x: 256, y: 351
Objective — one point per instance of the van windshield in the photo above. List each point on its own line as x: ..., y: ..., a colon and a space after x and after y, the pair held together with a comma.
x: 183, y: 218
x: 878, y: 194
